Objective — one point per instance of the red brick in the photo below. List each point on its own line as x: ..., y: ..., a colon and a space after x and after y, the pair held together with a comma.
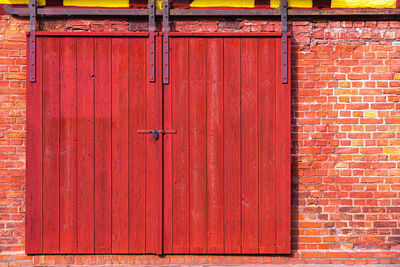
x: 386, y: 254
x: 345, y: 169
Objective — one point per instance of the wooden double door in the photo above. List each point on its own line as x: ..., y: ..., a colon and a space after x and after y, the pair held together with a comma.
x: 216, y: 182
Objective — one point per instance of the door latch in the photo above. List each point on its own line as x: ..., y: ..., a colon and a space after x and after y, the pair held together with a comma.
x: 156, y: 133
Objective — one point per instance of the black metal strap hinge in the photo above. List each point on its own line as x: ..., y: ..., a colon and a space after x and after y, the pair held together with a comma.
x: 152, y: 39
x: 284, y: 57
x: 165, y: 30
x: 156, y: 133
x: 32, y: 40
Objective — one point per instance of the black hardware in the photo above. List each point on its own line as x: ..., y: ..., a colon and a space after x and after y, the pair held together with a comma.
x: 204, y: 12
x: 32, y: 40
x: 284, y: 58
x: 152, y: 44
x: 165, y: 30
x: 156, y: 133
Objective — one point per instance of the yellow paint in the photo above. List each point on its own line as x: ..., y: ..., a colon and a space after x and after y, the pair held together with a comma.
x: 223, y: 3
x: 159, y: 4
x: 363, y: 4
x: 370, y: 114
x: 97, y: 3
x: 293, y: 3
x: 21, y: 2
x: 397, y: 76
x: 395, y: 150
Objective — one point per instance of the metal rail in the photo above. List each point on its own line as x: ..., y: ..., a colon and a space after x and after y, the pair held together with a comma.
x: 33, y: 11
x: 203, y: 12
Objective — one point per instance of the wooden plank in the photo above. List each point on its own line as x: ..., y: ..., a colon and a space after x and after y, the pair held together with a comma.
x: 180, y: 145
x: 137, y: 144
x: 159, y: 156
x: 266, y: 84
x: 120, y: 195
x: 34, y: 156
x: 154, y: 162
x: 197, y: 145
x: 232, y: 166
x: 249, y: 144
x: 282, y: 156
x: 85, y: 149
x: 215, y: 145
x: 51, y: 109
x: 168, y: 140
x: 103, y: 145
x: 68, y: 152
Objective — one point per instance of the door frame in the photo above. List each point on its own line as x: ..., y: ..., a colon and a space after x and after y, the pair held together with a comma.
x: 32, y: 201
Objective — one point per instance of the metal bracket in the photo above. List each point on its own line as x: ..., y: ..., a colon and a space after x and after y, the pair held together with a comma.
x: 165, y: 30
x: 284, y: 58
x: 32, y: 40
x: 152, y: 44
x: 156, y: 133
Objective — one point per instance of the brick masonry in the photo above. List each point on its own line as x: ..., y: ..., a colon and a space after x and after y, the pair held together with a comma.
x: 345, y: 151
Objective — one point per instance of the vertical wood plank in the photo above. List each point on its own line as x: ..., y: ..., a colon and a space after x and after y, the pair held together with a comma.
x: 154, y: 161
x: 266, y: 84
x: 68, y: 160
x: 180, y: 145
x: 103, y: 145
x: 168, y: 140
x: 51, y: 115
x: 85, y: 148
x: 119, y: 145
x: 137, y: 144
x: 197, y: 144
x: 159, y: 151
x: 249, y: 145
x: 215, y: 145
x: 282, y: 156
x: 232, y: 194
x: 34, y: 156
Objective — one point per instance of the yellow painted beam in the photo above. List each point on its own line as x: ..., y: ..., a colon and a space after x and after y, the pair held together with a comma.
x: 223, y: 3
x: 97, y: 3
x: 363, y: 4
x: 293, y: 3
x: 21, y: 2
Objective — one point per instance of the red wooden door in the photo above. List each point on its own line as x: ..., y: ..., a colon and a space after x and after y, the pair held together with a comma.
x: 94, y: 185
x: 219, y: 185
x: 227, y: 170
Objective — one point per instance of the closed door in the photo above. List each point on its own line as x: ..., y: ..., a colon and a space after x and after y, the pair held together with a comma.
x: 94, y: 185
x: 117, y: 164
x: 227, y: 170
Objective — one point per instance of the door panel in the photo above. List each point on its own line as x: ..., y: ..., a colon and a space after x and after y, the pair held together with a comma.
x: 101, y: 187
x: 223, y: 174
x: 219, y: 184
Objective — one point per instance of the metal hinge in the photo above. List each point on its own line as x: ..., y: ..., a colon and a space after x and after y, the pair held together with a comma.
x: 165, y: 30
x: 152, y: 44
x: 284, y: 18
x: 156, y: 133
x: 32, y: 40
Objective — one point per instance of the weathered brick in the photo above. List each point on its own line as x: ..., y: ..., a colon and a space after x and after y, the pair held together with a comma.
x: 345, y: 147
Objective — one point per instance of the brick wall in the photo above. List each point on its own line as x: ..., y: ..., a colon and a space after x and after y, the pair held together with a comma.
x: 345, y: 129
